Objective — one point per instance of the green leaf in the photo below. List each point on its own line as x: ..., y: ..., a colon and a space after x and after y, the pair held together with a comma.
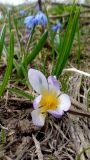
x: 16, y: 65
x: 9, y: 64
x: 2, y: 39
x: 81, y: 153
x: 66, y: 44
x: 3, y: 136
x: 9, y: 20
x: 22, y: 50
x: 31, y: 56
x: 21, y: 93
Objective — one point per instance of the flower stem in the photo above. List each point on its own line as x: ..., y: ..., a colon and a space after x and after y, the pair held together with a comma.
x: 40, y: 5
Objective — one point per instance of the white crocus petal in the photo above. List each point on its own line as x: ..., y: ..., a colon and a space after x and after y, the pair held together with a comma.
x: 36, y: 102
x: 65, y: 102
x: 37, y: 80
x: 38, y: 118
x: 53, y: 84
x: 56, y: 113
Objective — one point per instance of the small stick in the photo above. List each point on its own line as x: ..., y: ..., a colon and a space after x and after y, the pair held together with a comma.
x: 2, y: 127
x: 8, y: 158
x: 40, y: 5
x: 77, y: 104
x: 80, y: 113
x: 77, y: 71
x: 38, y: 148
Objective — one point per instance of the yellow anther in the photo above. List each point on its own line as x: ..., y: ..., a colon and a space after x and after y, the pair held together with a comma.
x: 49, y: 101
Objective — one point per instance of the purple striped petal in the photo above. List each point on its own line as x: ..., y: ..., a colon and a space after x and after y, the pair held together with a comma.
x: 36, y: 102
x: 37, y: 80
x: 53, y: 84
x: 64, y: 105
x: 55, y: 113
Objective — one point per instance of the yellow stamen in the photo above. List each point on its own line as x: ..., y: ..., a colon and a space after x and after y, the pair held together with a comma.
x: 49, y: 101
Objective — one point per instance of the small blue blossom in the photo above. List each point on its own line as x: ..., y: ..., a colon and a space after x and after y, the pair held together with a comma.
x: 41, y: 18
x: 30, y: 21
x: 22, y: 12
x: 56, y: 27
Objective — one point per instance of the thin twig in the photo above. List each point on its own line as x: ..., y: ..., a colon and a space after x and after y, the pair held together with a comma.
x: 2, y: 127
x: 80, y: 113
x: 21, y: 154
x: 8, y: 158
x: 38, y: 148
x: 83, y: 14
x: 77, y: 71
x: 77, y: 104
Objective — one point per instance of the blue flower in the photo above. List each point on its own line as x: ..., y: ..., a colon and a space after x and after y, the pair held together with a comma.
x: 30, y: 21
x: 56, y: 27
x: 41, y: 18
x: 22, y: 12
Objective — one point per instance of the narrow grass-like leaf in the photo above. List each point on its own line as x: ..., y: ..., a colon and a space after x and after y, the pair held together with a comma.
x: 21, y: 93
x: 82, y: 152
x: 79, y: 48
x: 9, y: 21
x: 2, y: 38
x: 16, y: 65
x: 22, y: 51
x: 30, y: 40
x: 70, y: 40
x: 9, y: 64
x: 66, y: 45
x: 30, y: 56
x: 3, y: 137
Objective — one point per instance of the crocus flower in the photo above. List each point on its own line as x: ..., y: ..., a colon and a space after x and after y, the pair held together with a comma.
x: 50, y: 100
x: 22, y: 12
x: 30, y: 21
x: 41, y: 18
x: 56, y: 27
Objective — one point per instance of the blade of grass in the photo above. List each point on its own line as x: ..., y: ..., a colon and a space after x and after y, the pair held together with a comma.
x: 82, y: 152
x: 9, y: 21
x: 22, y: 50
x: 29, y: 40
x: 30, y: 56
x: 16, y: 65
x: 9, y: 64
x: 67, y: 42
x: 3, y: 136
x: 21, y: 93
x: 79, y: 48
x: 2, y: 39
x: 70, y: 40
